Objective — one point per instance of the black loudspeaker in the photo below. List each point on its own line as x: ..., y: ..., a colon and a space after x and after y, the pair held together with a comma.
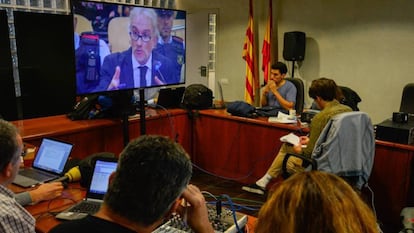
x: 294, y: 46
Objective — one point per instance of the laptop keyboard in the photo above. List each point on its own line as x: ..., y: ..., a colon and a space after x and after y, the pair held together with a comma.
x: 37, y: 175
x: 86, y: 207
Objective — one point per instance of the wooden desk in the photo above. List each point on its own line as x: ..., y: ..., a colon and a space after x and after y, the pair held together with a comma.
x: 44, y: 212
x: 92, y: 136
x: 243, y: 149
x: 235, y: 147
x: 392, y: 180
x: 238, y: 148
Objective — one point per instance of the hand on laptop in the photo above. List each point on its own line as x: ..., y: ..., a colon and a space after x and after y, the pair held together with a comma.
x: 46, y: 191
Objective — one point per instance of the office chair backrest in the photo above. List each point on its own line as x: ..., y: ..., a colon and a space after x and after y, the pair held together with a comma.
x: 83, y: 24
x: 346, y: 147
x: 351, y: 98
x: 300, y: 94
x: 118, y: 34
x: 407, y: 99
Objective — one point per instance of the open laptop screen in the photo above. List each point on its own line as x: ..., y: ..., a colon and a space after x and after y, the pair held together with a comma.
x: 52, y: 155
x: 100, y: 178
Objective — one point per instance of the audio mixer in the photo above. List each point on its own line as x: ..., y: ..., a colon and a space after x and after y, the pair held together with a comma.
x: 222, y: 221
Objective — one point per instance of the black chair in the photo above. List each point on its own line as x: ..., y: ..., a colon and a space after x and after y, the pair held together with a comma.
x: 407, y: 99
x: 307, y: 164
x: 300, y: 94
x: 350, y: 98
x: 346, y: 147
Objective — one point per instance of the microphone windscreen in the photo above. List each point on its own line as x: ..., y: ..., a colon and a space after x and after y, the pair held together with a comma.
x: 73, y: 174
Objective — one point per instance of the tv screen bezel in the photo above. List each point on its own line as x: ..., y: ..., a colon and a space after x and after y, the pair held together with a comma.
x: 182, y: 80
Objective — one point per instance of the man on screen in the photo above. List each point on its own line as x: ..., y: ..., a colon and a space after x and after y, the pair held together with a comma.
x: 169, y: 45
x: 139, y: 66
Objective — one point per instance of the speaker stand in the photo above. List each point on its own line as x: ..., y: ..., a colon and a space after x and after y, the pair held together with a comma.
x: 293, y: 68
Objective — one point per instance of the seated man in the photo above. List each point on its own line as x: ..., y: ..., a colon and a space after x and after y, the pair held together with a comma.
x: 278, y: 92
x: 13, y: 217
x: 324, y: 92
x: 43, y: 192
x: 149, y: 184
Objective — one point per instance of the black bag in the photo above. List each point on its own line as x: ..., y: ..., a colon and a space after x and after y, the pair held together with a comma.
x: 270, y: 111
x: 91, y: 107
x: 197, y: 96
x: 241, y: 108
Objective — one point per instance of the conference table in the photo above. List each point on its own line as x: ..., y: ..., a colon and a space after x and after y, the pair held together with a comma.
x: 44, y: 212
x: 228, y: 146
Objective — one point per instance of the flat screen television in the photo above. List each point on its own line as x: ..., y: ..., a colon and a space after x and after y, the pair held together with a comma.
x: 121, y: 47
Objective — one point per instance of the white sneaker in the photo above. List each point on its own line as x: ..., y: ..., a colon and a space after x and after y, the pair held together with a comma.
x: 254, y: 188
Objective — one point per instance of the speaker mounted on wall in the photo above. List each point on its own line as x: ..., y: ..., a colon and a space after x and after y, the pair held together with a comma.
x: 294, y: 44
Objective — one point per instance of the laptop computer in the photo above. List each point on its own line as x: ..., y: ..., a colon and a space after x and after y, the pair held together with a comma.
x: 170, y: 97
x: 49, y: 163
x: 103, y: 167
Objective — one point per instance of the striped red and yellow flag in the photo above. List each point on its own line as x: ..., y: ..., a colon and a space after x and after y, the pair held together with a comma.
x: 248, y: 57
x: 266, y: 57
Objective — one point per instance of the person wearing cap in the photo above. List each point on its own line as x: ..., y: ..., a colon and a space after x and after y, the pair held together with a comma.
x: 169, y: 45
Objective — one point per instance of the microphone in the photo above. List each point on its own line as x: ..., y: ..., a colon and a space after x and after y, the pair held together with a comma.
x: 71, y: 176
x: 157, y: 66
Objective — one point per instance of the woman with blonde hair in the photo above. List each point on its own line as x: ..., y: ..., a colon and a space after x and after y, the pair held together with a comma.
x: 315, y: 202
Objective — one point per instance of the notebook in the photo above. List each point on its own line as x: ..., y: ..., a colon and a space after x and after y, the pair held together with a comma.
x: 103, y: 167
x: 170, y: 97
x: 49, y: 163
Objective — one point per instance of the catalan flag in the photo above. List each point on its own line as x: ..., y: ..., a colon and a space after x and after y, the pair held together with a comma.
x: 248, y: 57
x: 266, y: 58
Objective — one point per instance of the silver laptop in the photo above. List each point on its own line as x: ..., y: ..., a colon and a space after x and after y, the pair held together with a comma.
x: 49, y: 163
x: 103, y: 167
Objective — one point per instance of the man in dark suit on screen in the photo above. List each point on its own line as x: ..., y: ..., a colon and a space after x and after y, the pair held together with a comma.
x: 139, y: 66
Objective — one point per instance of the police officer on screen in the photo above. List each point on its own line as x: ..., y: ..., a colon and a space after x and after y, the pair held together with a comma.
x: 169, y: 45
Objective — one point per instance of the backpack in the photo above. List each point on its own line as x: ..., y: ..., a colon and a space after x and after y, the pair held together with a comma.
x: 88, y: 61
x: 197, y: 96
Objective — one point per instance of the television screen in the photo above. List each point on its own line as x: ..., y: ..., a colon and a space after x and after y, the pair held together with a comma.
x: 124, y: 47
x: 46, y: 63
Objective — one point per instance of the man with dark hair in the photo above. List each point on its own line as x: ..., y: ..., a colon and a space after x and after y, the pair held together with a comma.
x: 278, y: 92
x: 13, y: 217
x: 324, y: 92
x: 149, y: 184
x: 43, y: 192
